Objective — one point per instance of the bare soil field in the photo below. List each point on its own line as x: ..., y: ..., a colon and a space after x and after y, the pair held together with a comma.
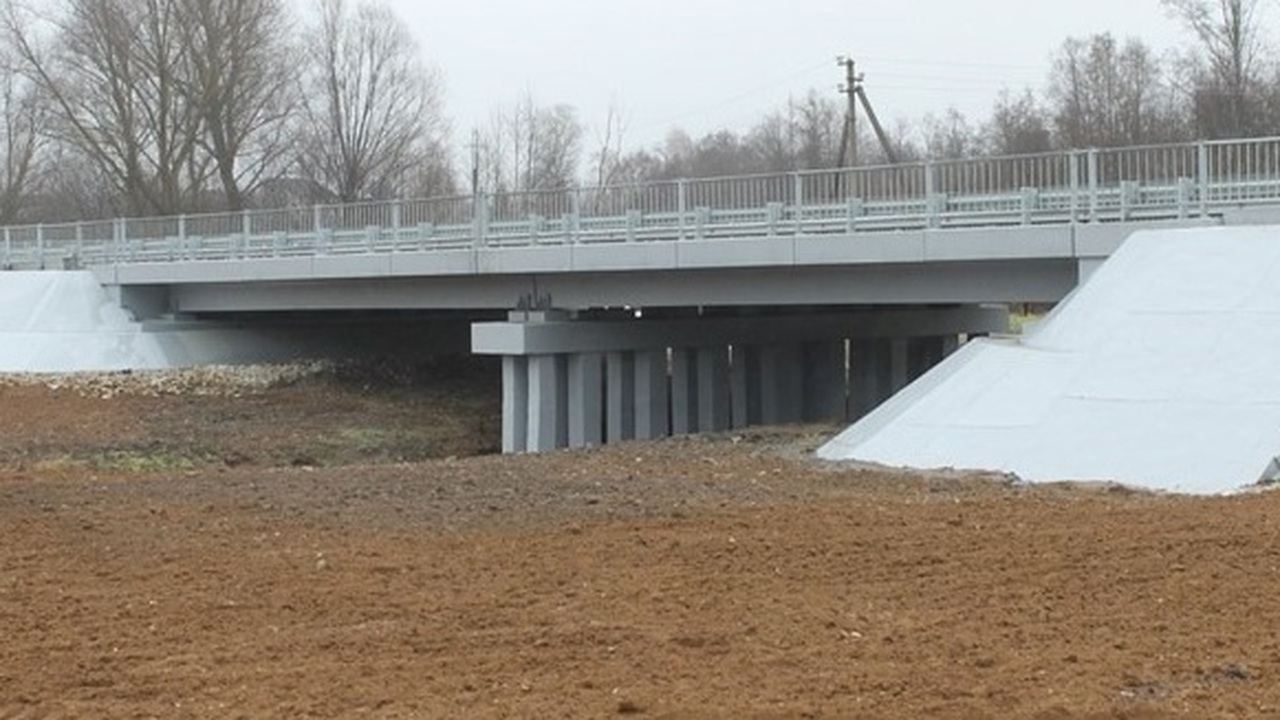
x: 331, y: 547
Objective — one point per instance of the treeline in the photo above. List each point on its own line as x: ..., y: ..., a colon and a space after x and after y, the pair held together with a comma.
x: 157, y: 107
x: 1100, y: 91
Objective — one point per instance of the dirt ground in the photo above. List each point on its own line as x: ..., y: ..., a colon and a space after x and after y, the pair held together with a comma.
x: 335, y: 548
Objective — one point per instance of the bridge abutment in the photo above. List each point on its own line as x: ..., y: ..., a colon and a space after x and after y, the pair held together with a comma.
x: 579, y: 382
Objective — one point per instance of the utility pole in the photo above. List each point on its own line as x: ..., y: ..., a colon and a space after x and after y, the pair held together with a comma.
x: 854, y: 92
x: 849, y: 136
x: 475, y: 161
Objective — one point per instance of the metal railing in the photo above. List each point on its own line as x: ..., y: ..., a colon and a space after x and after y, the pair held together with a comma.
x: 1103, y: 185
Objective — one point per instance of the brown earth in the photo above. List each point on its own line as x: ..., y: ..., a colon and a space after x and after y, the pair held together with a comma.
x: 294, y: 552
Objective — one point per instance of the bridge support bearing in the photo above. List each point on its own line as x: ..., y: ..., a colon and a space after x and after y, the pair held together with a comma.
x: 569, y: 383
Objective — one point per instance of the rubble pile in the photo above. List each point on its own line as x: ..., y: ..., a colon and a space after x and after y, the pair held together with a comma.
x: 206, y: 380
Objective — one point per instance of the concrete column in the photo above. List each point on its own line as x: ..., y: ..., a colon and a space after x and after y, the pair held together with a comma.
x: 882, y: 366
x: 790, y: 382
x: 548, y: 403
x: 900, y: 371
x: 950, y: 344
x: 620, y: 396
x: 862, y: 377
x: 515, y: 404
x: 713, y: 388
x: 923, y: 353
x: 586, y: 399
x: 684, y: 391
x: 781, y: 384
x: 744, y: 386
x: 825, y: 387
x: 872, y: 374
x: 917, y: 358
x: 652, y: 406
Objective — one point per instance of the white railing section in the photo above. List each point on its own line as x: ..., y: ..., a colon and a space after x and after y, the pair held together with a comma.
x: 1122, y: 184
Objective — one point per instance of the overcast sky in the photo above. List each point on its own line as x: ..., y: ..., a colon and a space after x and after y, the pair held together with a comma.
x: 708, y: 64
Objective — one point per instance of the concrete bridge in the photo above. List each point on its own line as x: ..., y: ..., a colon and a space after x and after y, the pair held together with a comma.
x: 639, y: 310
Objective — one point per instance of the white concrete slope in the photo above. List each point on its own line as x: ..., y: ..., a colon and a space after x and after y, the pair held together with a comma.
x: 66, y: 322
x: 1162, y: 371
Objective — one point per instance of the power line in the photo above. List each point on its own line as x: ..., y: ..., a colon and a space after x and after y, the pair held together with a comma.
x: 955, y: 63
x: 734, y: 99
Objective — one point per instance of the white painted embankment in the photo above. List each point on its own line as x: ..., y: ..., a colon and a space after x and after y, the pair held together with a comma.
x: 54, y: 321
x: 1162, y: 371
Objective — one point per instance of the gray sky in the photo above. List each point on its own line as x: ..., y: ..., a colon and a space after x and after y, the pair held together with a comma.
x: 709, y: 64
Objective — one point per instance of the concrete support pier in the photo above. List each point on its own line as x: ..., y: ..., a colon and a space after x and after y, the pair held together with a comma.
x: 651, y: 404
x: 713, y: 388
x: 684, y: 391
x: 515, y: 404
x: 586, y: 399
x: 620, y: 421
x: 577, y: 383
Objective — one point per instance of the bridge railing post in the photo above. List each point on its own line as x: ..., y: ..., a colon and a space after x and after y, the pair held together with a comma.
x: 396, y: 209
x: 573, y: 223
x: 932, y: 209
x: 682, y: 204
x: 853, y: 211
x: 318, y: 237
x: 1202, y: 176
x: 797, y: 193
x: 480, y: 219
x: 246, y: 231
x: 1093, y: 184
x: 1073, y: 171
x: 119, y: 235
x: 1030, y: 199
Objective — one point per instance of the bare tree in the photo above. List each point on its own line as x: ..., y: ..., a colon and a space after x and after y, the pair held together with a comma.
x: 1228, y: 87
x: 21, y: 116
x: 951, y: 136
x: 242, y: 85
x: 804, y: 135
x: 116, y: 72
x: 1105, y: 94
x: 1017, y: 126
x: 606, y: 161
x: 372, y: 110
x: 531, y: 147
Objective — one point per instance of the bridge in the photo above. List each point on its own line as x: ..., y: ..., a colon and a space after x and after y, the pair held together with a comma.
x: 694, y: 304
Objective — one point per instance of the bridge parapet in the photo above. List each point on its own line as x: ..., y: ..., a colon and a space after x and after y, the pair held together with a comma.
x: 1163, y: 182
